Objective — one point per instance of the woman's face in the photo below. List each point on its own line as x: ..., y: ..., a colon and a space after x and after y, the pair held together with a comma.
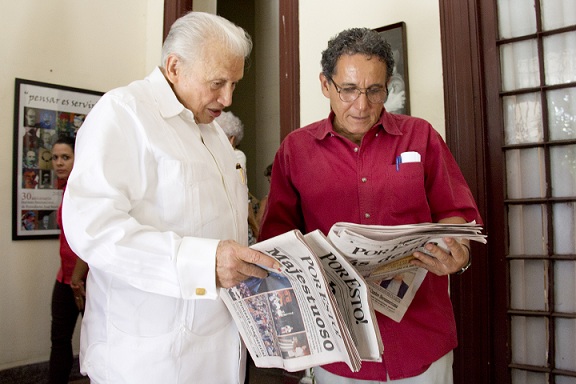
x: 62, y: 160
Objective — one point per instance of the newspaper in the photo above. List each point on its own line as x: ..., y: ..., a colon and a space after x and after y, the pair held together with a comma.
x: 319, y: 308
x: 382, y: 255
x: 349, y: 288
x: 316, y: 311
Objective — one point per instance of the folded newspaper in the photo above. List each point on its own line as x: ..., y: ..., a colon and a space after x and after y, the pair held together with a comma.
x: 319, y: 308
x: 382, y: 255
x: 316, y: 311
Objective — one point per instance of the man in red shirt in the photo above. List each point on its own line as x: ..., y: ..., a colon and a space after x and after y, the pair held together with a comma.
x: 345, y: 168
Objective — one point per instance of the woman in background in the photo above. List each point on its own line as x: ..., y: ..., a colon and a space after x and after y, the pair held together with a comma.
x: 69, y: 294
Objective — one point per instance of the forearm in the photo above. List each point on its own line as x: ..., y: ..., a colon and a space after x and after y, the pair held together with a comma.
x: 79, y: 273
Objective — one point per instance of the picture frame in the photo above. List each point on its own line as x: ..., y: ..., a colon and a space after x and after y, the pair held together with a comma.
x: 42, y: 113
x: 398, y: 100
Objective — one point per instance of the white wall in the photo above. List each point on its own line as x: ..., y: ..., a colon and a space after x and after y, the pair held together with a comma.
x: 95, y: 45
x: 322, y: 19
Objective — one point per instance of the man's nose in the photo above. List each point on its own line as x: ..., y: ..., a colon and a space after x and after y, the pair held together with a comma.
x: 226, y: 95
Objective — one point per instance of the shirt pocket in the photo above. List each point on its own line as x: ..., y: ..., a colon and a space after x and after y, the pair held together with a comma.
x: 406, y: 190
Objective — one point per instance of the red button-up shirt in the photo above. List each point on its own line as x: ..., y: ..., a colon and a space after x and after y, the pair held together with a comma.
x: 320, y: 178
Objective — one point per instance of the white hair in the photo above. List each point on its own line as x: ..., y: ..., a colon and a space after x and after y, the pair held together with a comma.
x: 189, y: 34
x: 231, y: 125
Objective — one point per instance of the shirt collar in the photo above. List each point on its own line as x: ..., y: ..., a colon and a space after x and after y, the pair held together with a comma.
x: 387, y: 122
x: 168, y: 103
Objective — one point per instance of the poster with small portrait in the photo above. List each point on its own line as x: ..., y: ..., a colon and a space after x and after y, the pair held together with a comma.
x: 43, y: 113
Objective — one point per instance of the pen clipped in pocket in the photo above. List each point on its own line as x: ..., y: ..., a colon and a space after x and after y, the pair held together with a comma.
x: 407, y: 157
x: 242, y: 173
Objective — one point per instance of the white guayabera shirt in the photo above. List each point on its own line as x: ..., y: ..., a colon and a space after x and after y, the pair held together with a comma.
x: 150, y: 196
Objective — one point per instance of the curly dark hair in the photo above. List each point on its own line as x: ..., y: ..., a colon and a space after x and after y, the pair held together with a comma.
x: 353, y: 41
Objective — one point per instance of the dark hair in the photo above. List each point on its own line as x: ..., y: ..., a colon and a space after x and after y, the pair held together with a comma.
x: 71, y: 141
x: 354, y: 41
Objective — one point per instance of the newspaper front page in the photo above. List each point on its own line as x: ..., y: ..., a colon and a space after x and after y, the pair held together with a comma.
x: 291, y: 319
x: 350, y: 290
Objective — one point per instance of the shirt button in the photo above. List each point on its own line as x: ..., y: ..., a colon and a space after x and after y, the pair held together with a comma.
x: 364, y: 179
x: 367, y: 215
x: 356, y: 149
x: 200, y: 291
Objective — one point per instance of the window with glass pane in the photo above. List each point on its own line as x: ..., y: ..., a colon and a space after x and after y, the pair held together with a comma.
x: 537, y: 45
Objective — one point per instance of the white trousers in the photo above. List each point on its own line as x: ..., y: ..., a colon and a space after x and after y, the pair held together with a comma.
x: 439, y: 372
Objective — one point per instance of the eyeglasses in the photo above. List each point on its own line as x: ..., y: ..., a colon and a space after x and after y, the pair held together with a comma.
x: 375, y: 95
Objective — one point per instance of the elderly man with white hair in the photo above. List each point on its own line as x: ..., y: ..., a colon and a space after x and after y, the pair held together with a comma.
x: 157, y: 208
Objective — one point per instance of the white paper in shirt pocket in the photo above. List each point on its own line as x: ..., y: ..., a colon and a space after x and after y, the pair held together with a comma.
x: 410, y: 157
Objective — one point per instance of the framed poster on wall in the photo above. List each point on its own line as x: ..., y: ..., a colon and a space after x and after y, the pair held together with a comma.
x: 398, y: 100
x: 42, y: 113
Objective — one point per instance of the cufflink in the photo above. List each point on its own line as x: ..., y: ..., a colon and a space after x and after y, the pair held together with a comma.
x: 200, y: 291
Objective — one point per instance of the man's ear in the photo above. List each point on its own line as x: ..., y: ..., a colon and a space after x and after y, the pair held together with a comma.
x: 325, y: 85
x: 173, y: 68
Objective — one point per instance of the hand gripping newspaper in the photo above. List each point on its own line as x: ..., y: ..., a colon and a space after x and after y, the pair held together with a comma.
x: 382, y: 255
x: 316, y: 311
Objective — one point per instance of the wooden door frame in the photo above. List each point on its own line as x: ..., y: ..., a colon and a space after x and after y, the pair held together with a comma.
x: 173, y: 9
x: 289, y: 67
x: 464, y: 121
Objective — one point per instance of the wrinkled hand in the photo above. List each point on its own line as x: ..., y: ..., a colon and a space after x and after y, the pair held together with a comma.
x: 443, y: 263
x: 236, y: 263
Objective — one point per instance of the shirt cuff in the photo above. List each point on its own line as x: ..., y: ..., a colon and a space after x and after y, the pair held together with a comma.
x: 196, y: 264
